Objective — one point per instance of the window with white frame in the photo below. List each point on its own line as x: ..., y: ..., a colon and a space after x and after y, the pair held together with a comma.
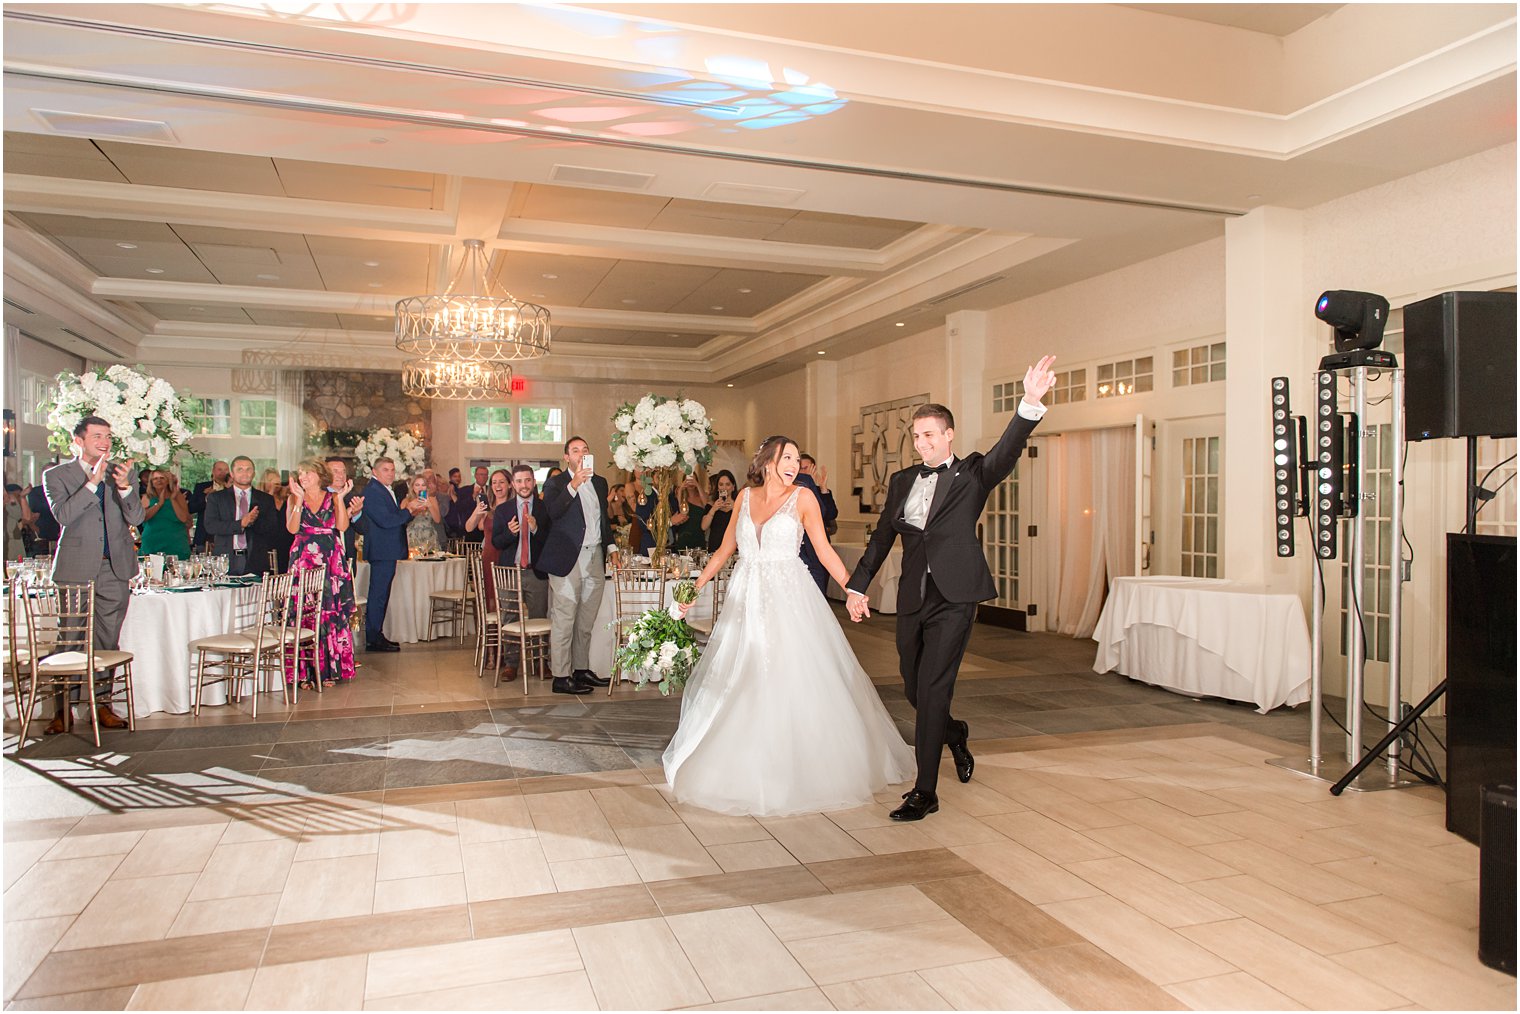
x: 210, y: 417
x: 540, y: 424
x: 1070, y: 385
x: 35, y: 390
x: 1127, y: 376
x: 1200, y: 364
x: 1200, y: 506
x: 488, y: 423
x: 256, y: 417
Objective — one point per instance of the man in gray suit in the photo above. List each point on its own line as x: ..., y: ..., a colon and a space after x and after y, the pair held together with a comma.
x: 96, y: 503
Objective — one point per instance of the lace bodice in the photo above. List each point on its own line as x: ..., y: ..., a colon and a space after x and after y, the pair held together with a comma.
x: 778, y: 539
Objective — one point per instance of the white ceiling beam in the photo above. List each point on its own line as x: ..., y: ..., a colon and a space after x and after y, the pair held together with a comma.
x: 567, y: 238
x: 178, y: 206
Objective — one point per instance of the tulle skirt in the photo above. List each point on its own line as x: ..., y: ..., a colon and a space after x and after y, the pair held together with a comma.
x: 779, y: 718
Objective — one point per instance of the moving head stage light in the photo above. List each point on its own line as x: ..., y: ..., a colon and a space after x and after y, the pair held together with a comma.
x: 1359, y: 319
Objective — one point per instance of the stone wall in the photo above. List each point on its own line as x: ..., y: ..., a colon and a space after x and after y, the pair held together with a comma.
x: 347, y: 401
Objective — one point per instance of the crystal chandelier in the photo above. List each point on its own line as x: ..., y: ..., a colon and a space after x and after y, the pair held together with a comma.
x: 470, y: 322
x: 456, y: 379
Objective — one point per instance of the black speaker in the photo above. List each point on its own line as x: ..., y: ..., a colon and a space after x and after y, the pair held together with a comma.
x: 1459, y: 363
x: 1496, y: 879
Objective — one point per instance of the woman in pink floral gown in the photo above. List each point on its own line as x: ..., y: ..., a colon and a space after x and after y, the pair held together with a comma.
x: 317, y: 518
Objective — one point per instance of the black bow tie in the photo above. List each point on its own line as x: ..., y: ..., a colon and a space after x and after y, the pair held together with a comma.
x: 924, y: 471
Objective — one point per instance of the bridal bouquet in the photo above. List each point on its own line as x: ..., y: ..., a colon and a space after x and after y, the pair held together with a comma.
x: 660, y: 647
x: 660, y: 432
x: 398, y: 445
x: 148, y: 419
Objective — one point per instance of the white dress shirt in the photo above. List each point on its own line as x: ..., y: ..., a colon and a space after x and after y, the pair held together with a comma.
x: 593, y: 513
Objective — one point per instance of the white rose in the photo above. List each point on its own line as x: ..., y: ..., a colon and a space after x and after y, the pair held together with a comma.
x: 625, y: 422
x: 694, y: 410
x: 644, y: 411
x: 623, y: 458
x: 662, y: 429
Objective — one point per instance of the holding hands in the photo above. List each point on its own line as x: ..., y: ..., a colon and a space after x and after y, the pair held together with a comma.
x: 858, y: 606
x: 1039, y: 379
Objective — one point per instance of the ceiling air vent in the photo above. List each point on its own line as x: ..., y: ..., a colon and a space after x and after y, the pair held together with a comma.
x: 91, y: 342
x: 112, y: 127
x: 586, y: 176
x: 957, y: 293
x: 17, y: 306
x: 752, y: 193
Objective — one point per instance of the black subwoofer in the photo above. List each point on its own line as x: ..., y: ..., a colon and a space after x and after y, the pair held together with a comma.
x: 1496, y: 879
x: 1459, y: 363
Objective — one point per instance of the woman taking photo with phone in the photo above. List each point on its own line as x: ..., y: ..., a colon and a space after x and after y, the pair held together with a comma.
x: 715, y: 521
x: 425, y: 533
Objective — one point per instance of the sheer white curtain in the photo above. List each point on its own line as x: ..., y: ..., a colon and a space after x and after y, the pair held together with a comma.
x: 1091, y: 486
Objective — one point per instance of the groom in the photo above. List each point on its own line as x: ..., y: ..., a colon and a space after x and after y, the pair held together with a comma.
x: 934, y: 507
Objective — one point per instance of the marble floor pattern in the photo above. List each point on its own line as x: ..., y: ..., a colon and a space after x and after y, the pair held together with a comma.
x: 418, y: 840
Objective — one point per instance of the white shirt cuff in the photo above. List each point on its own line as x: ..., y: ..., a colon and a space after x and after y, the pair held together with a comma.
x: 852, y: 591
x: 124, y: 493
x: 1034, y: 413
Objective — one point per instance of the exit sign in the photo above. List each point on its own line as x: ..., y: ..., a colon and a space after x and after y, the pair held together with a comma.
x: 519, y: 385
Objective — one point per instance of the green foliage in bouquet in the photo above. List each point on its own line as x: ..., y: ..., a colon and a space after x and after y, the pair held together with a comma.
x: 660, y: 649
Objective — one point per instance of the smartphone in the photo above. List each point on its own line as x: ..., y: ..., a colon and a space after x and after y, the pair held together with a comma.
x: 589, y: 461
x: 422, y: 495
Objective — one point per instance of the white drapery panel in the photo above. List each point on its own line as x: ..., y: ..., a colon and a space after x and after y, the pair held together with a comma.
x: 1091, y: 485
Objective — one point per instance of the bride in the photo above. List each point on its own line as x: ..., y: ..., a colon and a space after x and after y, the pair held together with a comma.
x: 779, y: 718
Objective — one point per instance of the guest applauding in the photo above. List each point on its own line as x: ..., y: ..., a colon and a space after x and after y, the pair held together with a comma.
x: 317, y: 519
x: 425, y: 533
x: 221, y: 475
x: 245, y: 523
x: 385, y: 526
x: 519, y: 529
x: 465, y: 502
x: 271, y: 484
x: 166, y: 516
x: 353, y: 501
x: 715, y: 521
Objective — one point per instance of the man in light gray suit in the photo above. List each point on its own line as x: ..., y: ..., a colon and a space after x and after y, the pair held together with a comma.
x: 95, y: 501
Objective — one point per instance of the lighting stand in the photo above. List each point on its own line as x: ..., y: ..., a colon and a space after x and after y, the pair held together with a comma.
x: 1335, y: 487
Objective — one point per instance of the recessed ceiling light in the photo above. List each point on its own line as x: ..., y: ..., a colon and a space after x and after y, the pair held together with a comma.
x: 374, y: 285
x: 379, y: 140
x: 127, y: 246
x: 372, y: 264
x: 154, y: 271
x: 629, y: 302
x: 674, y: 335
x: 730, y: 385
x: 746, y: 290
x: 1253, y: 197
x: 269, y: 278
x: 899, y: 324
x: 538, y: 295
x: 822, y: 353
x: 715, y: 308
x: 198, y: 309
x: 550, y: 277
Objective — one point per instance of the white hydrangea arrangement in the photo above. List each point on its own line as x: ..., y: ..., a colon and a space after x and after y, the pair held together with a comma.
x: 660, y: 432
x: 148, y: 418
x: 400, y: 446
x: 660, y: 648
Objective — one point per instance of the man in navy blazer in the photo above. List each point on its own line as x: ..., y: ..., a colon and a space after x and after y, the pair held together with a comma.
x: 807, y: 480
x: 575, y: 557
x: 384, y: 543
x: 523, y: 510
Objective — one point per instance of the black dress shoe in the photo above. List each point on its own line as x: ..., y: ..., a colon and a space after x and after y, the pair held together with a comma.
x: 382, y: 646
x: 568, y: 685
x: 961, y: 751
x: 916, y: 806
x: 589, y: 678
x: 387, y: 640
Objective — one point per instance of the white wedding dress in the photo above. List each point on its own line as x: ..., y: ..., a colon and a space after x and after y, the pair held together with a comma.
x: 779, y: 718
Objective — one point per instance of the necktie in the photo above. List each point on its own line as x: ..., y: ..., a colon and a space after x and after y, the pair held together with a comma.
x: 925, y: 471
x: 105, y: 529
x: 240, y: 540
x: 523, y: 553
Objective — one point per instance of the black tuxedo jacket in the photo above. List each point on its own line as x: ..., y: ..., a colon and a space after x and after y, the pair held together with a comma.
x: 509, y: 542
x: 567, y: 523
x: 220, y: 520
x: 947, y: 545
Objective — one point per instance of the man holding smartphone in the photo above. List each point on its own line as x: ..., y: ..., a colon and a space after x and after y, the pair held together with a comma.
x: 96, y: 503
x: 574, y: 557
x: 456, y: 523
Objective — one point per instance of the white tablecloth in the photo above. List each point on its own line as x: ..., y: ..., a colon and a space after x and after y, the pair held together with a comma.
x: 603, y: 644
x: 1207, y: 637
x: 883, y: 589
x: 406, y: 618
x: 157, y: 631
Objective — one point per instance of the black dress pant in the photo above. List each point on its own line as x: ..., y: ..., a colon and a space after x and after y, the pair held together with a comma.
x: 930, y: 643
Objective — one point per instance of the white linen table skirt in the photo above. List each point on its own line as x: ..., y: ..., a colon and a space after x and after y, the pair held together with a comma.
x: 406, y: 618
x: 157, y: 631
x: 1206, y: 637
x: 603, y: 637
x: 883, y: 590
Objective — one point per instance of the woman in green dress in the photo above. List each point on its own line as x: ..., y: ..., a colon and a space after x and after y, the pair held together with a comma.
x: 166, y: 516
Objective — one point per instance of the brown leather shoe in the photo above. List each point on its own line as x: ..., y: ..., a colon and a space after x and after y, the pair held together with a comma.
x: 508, y: 673
x: 60, y: 724
x: 108, y: 719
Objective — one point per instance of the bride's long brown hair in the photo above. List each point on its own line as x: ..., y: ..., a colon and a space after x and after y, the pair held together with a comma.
x: 770, y: 450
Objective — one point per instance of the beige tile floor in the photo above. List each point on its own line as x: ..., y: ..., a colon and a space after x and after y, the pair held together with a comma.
x: 1162, y: 867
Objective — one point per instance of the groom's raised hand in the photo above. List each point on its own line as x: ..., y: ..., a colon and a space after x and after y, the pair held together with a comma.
x: 1039, y: 379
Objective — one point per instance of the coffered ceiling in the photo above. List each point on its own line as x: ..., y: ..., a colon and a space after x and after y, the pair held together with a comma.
x: 700, y: 193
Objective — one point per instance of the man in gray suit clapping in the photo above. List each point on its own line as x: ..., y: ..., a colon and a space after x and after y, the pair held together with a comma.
x: 96, y: 503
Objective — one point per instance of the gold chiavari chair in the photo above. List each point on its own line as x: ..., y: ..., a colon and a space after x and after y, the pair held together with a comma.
x: 452, y: 606
x: 635, y: 591
x: 18, y: 653
x: 531, y: 634
x: 488, y: 619
x: 301, y: 636
x: 60, y: 634
x: 702, y: 626
x: 243, y: 652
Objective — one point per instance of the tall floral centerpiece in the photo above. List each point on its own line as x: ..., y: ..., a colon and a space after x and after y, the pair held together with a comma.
x: 664, y: 437
x: 400, y: 446
x: 148, y: 418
